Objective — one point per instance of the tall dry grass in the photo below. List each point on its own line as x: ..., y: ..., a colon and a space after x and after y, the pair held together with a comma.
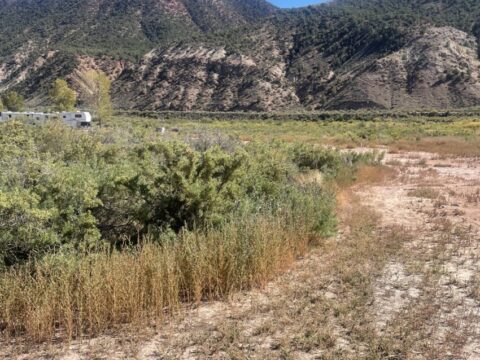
x: 71, y: 296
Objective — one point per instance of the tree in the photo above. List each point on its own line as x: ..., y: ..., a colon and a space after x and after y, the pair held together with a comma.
x: 62, y: 97
x: 13, y: 101
x: 1, y: 104
x: 96, y: 93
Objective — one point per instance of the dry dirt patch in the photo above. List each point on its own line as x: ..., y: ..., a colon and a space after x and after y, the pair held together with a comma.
x: 437, y: 201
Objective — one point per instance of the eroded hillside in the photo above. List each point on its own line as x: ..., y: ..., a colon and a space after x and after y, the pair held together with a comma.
x: 236, y: 55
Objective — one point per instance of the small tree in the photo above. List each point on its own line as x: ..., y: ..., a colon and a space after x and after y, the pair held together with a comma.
x: 13, y: 101
x: 96, y: 93
x: 62, y: 97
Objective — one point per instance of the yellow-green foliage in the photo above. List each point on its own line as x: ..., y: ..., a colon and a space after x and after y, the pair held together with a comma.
x: 96, y: 94
x: 62, y: 97
x: 13, y: 101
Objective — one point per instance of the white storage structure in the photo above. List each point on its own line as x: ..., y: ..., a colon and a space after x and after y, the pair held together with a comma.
x: 78, y: 119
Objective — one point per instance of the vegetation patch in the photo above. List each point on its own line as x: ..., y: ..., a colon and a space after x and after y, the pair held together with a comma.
x: 100, y: 228
x: 425, y: 193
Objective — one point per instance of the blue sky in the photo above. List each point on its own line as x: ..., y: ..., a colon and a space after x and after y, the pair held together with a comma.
x: 294, y: 3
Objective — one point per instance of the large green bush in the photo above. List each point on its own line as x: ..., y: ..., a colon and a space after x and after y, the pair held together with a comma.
x: 63, y: 190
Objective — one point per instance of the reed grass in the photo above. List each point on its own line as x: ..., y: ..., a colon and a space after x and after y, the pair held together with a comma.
x: 70, y: 296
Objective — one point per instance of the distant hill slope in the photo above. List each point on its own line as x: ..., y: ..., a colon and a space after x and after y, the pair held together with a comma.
x: 119, y: 27
x: 246, y: 54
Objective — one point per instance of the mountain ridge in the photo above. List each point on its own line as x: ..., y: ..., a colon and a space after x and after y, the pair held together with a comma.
x: 248, y: 55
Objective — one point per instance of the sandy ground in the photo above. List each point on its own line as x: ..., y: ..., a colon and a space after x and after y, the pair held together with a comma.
x: 438, y: 200
x: 426, y: 298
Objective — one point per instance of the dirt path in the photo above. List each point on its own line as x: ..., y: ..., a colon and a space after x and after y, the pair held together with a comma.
x: 401, y: 280
x: 433, y: 293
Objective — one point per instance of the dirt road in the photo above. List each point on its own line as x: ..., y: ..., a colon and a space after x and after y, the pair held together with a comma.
x: 434, y: 291
x: 401, y: 280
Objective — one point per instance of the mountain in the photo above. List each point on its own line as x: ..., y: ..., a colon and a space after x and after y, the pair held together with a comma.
x: 118, y: 27
x: 246, y: 54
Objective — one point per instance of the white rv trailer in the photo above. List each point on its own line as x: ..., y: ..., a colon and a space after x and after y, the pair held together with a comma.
x: 78, y: 119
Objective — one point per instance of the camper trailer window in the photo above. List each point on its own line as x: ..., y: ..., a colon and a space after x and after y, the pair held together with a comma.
x: 78, y: 116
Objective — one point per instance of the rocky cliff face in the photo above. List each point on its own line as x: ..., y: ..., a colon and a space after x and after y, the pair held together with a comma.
x: 208, y: 78
x: 439, y: 69
x: 220, y: 57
